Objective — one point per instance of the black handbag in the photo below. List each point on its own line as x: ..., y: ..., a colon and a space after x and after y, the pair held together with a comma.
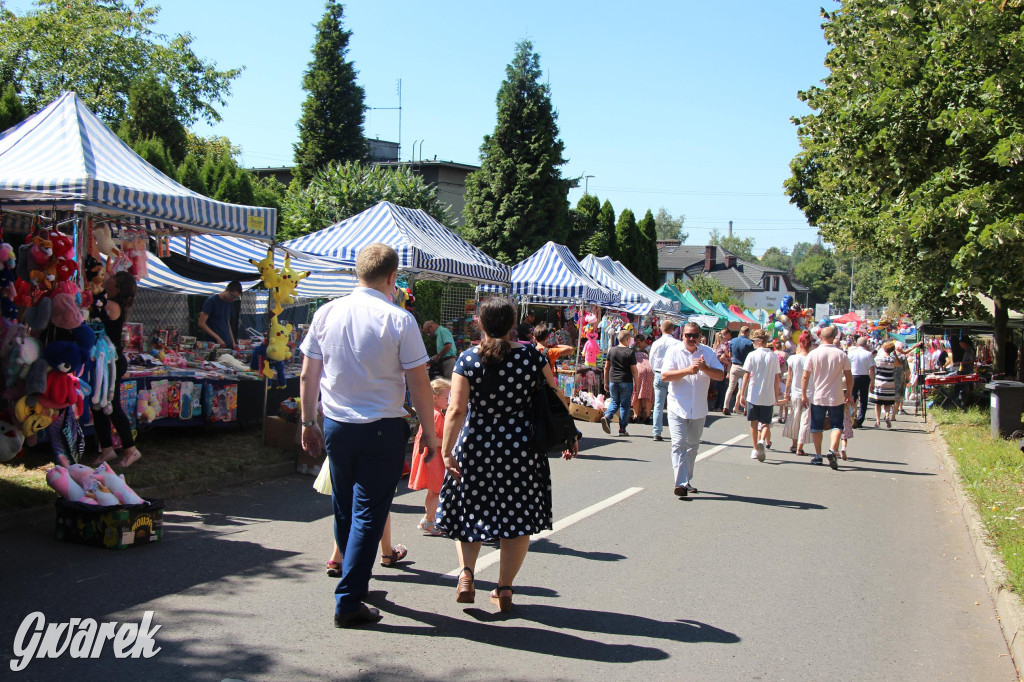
x: 554, y: 429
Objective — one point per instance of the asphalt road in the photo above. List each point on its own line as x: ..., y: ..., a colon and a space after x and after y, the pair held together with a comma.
x: 777, y: 570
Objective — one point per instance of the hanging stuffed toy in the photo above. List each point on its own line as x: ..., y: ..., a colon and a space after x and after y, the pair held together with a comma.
x: 8, y: 291
x: 269, y: 275
x: 288, y: 279
x: 11, y: 441
x: 591, y: 349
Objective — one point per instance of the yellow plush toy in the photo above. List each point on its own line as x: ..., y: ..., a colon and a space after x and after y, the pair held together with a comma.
x: 277, y: 341
x: 268, y: 273
x: 287, y: 281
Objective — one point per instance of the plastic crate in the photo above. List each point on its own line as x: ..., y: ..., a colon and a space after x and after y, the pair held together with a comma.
x: 117, y: 527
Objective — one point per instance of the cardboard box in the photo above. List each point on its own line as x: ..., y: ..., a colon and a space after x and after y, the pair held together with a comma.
x: 584, y: 413
x: 127, y: 525
x: 280, y: 433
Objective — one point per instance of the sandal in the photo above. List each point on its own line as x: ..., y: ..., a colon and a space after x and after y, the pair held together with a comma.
x: 465, y: 593
x: 431, y: 530
x: 503, y: 602
x: 792, y: 449
x: 391, y: 560
x: 800, y: 452
x: 334, y: 569
x: 130, y: 459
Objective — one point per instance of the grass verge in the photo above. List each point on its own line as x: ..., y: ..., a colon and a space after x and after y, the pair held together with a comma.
x: 993, y: 473
x: 168, y: 456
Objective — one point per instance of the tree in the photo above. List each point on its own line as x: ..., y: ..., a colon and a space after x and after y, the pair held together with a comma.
x: 518, y: 199
x: 627, y: 242
x: 190, y: 176
x: 586, y: 223
x: 707, y: 288
x: 669, y: 227
x: 777, y: 259
x: 741, y: 248
x: 341, y: 190
x: 913, y: 148
x: 331, y: 126
x: 153, y: 151
x: 800, y: 251
x: 153, y: 112
x: 98, y: 48
x: 648, y: 247
x: 12, y: 111
x: 606, y: 222
x: 816, y: 272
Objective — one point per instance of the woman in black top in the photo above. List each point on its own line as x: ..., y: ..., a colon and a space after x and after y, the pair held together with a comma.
x: 111, y: 309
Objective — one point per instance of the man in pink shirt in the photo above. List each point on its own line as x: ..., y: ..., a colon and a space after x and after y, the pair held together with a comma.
x: 828, y: 367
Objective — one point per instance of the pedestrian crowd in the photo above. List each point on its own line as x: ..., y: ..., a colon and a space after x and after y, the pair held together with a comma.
x: 484, y: 478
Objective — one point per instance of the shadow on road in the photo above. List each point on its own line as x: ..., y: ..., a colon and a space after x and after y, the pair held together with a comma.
x: 498, y: 630
x: 711, y: 496
x: 602, y: 458
x: 546, y: 546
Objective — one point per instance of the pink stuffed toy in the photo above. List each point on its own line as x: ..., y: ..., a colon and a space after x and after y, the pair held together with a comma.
x: 60, y: 480
x: 591, y: 349
x: 116, y: 484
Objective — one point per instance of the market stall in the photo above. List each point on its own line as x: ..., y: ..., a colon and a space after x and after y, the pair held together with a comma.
x: 84, y: 203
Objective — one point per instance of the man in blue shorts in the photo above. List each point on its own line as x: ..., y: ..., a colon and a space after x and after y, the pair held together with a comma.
x: 827, y: 369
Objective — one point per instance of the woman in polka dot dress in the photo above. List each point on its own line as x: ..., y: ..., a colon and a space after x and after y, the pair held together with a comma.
x: 495, y: 486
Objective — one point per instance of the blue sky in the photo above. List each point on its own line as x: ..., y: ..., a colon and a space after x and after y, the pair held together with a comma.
x: 680, y: 104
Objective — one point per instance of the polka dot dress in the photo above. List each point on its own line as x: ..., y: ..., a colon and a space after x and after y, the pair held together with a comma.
x: 505, y: 490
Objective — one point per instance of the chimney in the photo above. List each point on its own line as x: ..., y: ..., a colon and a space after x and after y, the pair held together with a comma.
x: 709, y: 258
x: 730, y: 261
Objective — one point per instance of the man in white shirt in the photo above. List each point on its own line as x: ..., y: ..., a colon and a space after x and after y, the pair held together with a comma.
x: 760, y: 392
x: 689, y: 368
x: 862, y: 365
x: 657, y: 356
x: 360, y: 352
x: 826, y: 372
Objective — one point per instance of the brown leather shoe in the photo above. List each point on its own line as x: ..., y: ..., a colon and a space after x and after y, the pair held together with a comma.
x: 680, y: 491
x: 465, y: 593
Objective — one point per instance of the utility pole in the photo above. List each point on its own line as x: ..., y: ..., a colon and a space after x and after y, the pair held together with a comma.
x: 853, y: 260
x: 586, y: 183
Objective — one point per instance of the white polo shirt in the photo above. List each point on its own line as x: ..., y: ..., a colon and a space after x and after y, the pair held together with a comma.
x: 861, y: 361
x: 659, y: 349
x: 366, y: 344
x: 688, y: 396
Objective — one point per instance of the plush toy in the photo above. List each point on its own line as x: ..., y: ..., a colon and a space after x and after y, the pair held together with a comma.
x: 103, y: 373
x: 271, y: 279
x: 8, y: 291
x: 116, y: 484
x: 287, y: 281
x: 148, y: 406
x: 105, y: 241
x: 11, y: 441
x: 591, y: 349
x: 41, y: 251
x: 61, y: 245
x: 25, y: 351
x: 65, y: 312
x: 277, y: 342
x: 33, y: 418
x: 59, y: 478
x: 65, y: 356
x: 62, y: 390
x: 95, y: 487
x: 44, y: 277
x: 65, y: 269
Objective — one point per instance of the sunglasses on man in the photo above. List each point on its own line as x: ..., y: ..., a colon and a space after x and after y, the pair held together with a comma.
x: 692, y: 336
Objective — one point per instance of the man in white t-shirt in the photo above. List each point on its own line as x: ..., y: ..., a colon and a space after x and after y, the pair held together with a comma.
x: 659, y: 349
x: 760, y: 392
x: 862, y: 365
x: 689, y: 368
x: 360, y: 352
x: 826, y: 372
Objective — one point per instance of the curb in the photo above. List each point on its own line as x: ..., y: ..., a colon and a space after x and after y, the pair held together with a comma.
x: 1009, y: 607
x: 44, y: 513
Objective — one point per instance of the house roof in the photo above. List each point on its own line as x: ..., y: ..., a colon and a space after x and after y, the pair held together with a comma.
x: 744, y: 276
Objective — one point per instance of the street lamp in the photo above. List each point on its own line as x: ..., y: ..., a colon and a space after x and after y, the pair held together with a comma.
x: 586, y: 183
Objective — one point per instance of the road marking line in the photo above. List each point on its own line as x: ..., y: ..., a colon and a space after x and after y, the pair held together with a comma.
x: 492, y: 558
x: 718, y: 448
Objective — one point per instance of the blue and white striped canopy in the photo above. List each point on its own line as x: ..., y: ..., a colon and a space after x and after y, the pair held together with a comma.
x: 426, y: 248
x: 603, y: 270
x: 231, y: 253
x: 162, y: 278
x: 64, y: 157
x: 554, y: 273
x: 661, y: 303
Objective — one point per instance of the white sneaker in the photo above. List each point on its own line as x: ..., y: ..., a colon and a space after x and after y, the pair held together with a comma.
x: 759, y: 451
x: 754, y: 454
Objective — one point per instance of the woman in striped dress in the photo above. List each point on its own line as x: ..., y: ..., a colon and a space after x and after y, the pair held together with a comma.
x: 883, y: 392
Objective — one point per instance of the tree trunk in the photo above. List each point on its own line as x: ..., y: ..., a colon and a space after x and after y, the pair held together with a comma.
x: 1001, y: 315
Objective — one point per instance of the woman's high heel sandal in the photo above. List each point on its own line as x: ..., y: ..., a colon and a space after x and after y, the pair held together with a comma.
x: 502, y: 598
x: 465, y: 593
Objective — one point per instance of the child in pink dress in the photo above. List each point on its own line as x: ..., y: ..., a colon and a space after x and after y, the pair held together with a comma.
x: 429, y: 474
x: 848, y: 415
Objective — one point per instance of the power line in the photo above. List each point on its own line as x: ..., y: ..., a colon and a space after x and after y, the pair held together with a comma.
x: 637, y: 190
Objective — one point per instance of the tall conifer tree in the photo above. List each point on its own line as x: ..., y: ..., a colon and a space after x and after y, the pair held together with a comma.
x: 627, y: 241
x: 518, y: 199
x: 606, y: 219
x: 331, y: 126
x: 648, y: 228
